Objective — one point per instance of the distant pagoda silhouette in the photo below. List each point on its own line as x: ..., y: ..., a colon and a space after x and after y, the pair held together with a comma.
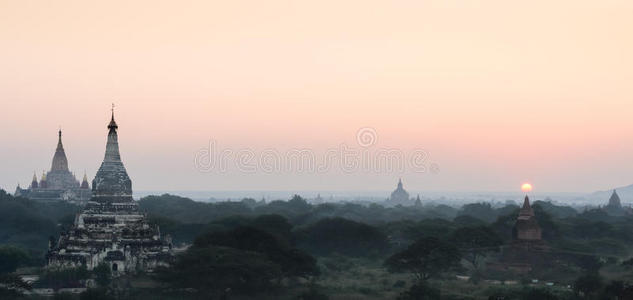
x: 58, y: 184
x: 400, y: 196
x: 614, y: 207
x: 526, y: 227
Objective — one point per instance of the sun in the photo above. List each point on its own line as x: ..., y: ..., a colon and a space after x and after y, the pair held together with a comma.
x: 526, y: 187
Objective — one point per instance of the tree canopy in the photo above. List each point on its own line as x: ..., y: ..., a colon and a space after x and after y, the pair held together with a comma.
x: 426, y: 258
x: 338, y: 235
x: 475, y: 242
x: 293, y: 262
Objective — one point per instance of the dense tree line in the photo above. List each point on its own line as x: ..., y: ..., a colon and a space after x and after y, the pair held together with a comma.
x: 252, y: 247
x: 29, y: 224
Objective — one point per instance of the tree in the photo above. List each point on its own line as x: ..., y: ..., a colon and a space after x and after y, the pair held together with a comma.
x: 243, y: 260
x: 590, y: 263
x: 588, y: 284
x: 338, y: 235
x: 426, y: 258
x: 483, y: 211
x: 466, y: 220
x: 539, y: 294
x: 421, y: 291
x: 476, y: 242
x: 292, y: 208
x: 274, y: 224
x: 95, y: 294
x: 64, y: 278
x: 525, y: 294
x: 215, y: 270
x: 293, y: 262
x: 11, y: 286
x: 614, y: 289
x: 11, y: 258
x: 103, y: 274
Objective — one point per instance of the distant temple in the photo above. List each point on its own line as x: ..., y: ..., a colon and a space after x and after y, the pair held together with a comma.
x: 418, y: 202
x: 400, y: 196
x: 58, y: 184
x: 526, y: 227
x: 111, y: 229
x: 528, y: 250
x: 318, y: 200
x: 614, y: 207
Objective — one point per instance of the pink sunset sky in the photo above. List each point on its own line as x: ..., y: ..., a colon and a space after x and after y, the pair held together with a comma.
x: 497, y: 92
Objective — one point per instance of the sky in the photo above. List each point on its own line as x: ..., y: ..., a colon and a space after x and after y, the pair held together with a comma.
x: 494, y: 93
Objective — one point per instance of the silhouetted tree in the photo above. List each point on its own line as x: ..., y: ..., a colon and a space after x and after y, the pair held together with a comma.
x: 103, y: 274
x: 11, y: 258
x: 482, y: 211
x: 426, y: 258
x: 63, y: 278
x: 421, y: 291
x: 476, y: 242
x: 293, y: 262
x: 338, y: 235
x: 11, y: 285
x: 274, y: 224
x: 96, y: 294
x: 466, y: 220
x: 588, y: 285
x: 215, y: 270
x: 589, y: 263
x: 614, y: 290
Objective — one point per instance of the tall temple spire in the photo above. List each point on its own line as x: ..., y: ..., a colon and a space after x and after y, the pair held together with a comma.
x: 112, y: 147
x: 614, y: 201
x: 60, y: 163
x: 43, y: 183
x: 34, y: 184
x: 112, y: 183
x: 526, y: 210
x: 112, y: 125
x: 84, y: 182
x: 526, y: 228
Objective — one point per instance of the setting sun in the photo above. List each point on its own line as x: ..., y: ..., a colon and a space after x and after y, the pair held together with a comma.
x: 526, y: 187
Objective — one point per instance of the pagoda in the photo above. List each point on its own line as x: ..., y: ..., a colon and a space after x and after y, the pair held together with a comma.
x: 526, y: 227
x: 400, y: 196
x: 614, y: 207
x: 58, y: 184
x: 111, y: 229
x: 528, y: 250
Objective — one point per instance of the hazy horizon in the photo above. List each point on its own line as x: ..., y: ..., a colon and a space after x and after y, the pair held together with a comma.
x: 496, y: 93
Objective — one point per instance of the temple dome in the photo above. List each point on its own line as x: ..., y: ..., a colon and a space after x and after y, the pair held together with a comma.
x: 400, y: 195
